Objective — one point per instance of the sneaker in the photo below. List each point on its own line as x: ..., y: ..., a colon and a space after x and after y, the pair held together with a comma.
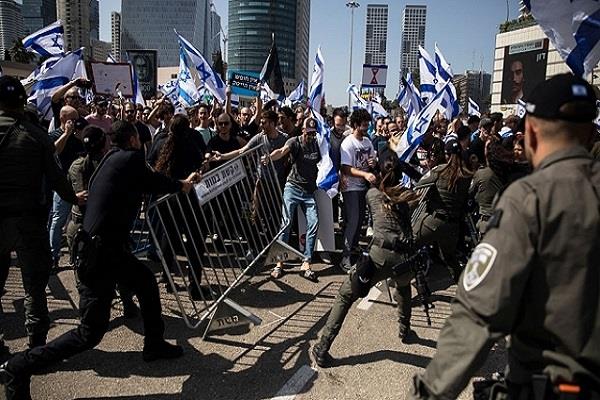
x: 161, y: 350
x: 407, y: 335
x: 325, y: 257
x: 14, y: 388
x: 345, y: 264
x: 322, y: 357
x: 370, y: 231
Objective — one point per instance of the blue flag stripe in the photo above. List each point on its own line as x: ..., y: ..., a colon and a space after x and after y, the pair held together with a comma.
x: 30, y: 41
x: 587, y: 37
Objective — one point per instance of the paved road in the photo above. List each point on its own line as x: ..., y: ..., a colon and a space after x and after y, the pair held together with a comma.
x: 271, y: 361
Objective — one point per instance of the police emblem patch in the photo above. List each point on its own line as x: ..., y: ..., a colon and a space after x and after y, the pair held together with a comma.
x: 479, y: 265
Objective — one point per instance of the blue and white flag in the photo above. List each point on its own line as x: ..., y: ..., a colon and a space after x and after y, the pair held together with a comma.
x: 417, y: 126
x: 137, y: 89
x: 316, y: 92
x: 597, y: 120
x: 327, y: 176
x: 451, y: 107
x: 169, y: 90
x: 47, y: 42
x: 521, y: 110
x: 410, y: 97
x: 187, y: 93
x: 355, y: 95
x: 443, y: 69
x: 376, y: 110
x: 428, y: 73
x: 111, y: 59
x: 297, y: 95
x: 574, y: 29
x: 266, y: 94
x: 67, y: 68
x: 473, y: 108
x: 211, y: 80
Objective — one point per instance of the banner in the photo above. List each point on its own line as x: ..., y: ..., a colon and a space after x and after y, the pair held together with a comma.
x: 524, y: 68
x: 244, y: 83
x: 109, y: 78
x: 144, y: 62
x: 374, y: 76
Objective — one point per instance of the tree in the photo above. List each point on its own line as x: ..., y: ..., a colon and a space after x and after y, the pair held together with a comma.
x: 19, y: 54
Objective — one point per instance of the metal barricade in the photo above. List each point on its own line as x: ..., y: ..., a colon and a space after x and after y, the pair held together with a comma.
x: 140, y: 233
x: 210, y: 239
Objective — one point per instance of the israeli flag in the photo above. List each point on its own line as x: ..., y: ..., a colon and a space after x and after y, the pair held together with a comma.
x: 355, y: 95
x: 573, y: 28
x: 187, y: 93
x: 169, y: 90
x: 418, y: 125
x: 473, y: 108
x: 376, y: 110
x: 316, y: 92
x: 211, y: 80
x: 111, y: 59
x: 327, y: 177
x: 521, y: 110
x: 266, y: 93
x: 429, y: 77
x: 451, y: 107
x: 137, y: 90
x: 443, y: 69
x: 297, y: 95
x: 47, y: 42
x: 67, y: 68
x: 410, y: 97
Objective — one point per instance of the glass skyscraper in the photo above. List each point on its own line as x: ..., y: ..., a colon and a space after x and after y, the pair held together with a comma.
x: 251, y: 25
x: 38, y: 14
x: 148, y: 24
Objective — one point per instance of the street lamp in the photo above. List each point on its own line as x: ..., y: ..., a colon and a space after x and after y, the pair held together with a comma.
x: 352, y: 5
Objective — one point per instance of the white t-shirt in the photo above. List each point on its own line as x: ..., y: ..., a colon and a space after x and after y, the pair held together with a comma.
x: 356, y: 153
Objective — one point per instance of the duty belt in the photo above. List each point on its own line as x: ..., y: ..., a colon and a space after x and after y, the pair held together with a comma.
x: 394, y: 245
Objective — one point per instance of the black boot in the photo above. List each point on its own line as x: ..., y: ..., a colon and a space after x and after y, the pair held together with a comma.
x: 407, y: 335
x: 130, y: 309
x: 321, y: 355
x: 15, y: 388
x: 4, y: 352
x: 37, y: 340
x: 161, y: 350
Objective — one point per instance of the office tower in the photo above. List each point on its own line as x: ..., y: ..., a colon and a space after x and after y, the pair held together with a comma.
x: 115, y: 35
x: 37, y: 14
x: 11, y: 25
x: 94, y: 19
x: 251, y: 26
x: 413, y: 36
x: 376, y: 34
x: 76, y: 21
x: 215, y: 32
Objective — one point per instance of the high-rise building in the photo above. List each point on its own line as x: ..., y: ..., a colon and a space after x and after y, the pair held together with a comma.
x: 149, y: 24
x: 100, y: 50
x: 251, y: 27
x: 94, y: 19
x: 38, y: 14
x: 413, y: 35
x: 376, y: 34
x: 215, y: 32
x: 11, y: 25
x: 476, y: 85
x: 75, y: 15
x: 115, y: 35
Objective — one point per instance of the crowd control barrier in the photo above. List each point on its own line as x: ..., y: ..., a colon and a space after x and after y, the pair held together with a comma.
x: 209, y: 240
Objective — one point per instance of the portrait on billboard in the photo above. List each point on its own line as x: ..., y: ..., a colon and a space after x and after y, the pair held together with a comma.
x: 144, y: 62
x: 524, y: 67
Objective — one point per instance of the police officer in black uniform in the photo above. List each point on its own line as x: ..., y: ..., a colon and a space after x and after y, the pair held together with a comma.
x: 104, y: 258
x: 28, y: 169
x: 535, y: 275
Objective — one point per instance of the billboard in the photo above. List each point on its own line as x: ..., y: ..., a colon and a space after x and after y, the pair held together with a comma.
x: 144, y: 62
x: 524, y: 67
x: 374, y: 76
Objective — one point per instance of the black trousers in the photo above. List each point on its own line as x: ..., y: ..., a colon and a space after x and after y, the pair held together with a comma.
x: 114, y: 265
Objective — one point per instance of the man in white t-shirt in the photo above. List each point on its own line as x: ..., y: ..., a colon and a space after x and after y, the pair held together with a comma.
x: 357, y: 159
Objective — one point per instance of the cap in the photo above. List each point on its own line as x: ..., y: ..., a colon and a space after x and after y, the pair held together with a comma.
x: 12, y: 92
x: 93, y: 138
x: 547, y: 100
x: 452, y: 147
x: 310, y: 125
x: 81, y: 123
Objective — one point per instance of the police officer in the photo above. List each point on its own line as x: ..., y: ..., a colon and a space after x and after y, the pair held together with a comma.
x: 445, y: 206
x: 27, y: 168
x: 389, y: 253
x: 115, y: 194
x: 535, y: 275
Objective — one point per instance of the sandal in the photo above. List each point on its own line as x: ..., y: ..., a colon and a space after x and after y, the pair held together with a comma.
x: 309, y: 275
x: 276, y: 272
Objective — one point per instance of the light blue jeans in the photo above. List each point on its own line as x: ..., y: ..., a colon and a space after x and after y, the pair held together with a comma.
x: 58, y: 219
x: 292, y: 198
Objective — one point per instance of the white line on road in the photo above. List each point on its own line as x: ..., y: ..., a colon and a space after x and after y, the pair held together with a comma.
x: 295, y: 384
x: 367, y: 302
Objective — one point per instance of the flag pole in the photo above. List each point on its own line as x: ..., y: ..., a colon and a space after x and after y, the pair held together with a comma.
x: 352, y: 5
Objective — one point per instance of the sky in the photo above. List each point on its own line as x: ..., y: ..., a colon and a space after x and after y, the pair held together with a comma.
x: 464, y: 30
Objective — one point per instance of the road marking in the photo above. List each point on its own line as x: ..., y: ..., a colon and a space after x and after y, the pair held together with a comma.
x: 367, y: 302
x: 294, y: 385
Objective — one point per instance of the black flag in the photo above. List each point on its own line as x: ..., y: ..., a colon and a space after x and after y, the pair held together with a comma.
x: 271, y: 71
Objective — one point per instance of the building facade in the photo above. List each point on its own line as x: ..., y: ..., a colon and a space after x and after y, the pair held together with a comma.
x: 476, y: 85
x: 251, y: 26
x: 11, y: 25
x: 94, y: 19
x: 522, y: 59
x: 76, y: 21
x: 100, y: 50
x: 215, y: 32
x: 115, y: 35
x: 376, y: 34
x: 414, y: 20
x: 149, y: 24
x: 37, y: 14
